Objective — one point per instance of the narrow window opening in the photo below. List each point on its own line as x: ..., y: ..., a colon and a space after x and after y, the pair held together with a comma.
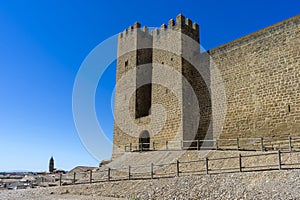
x: 143, y: 93
x: 126, y: 63
x: 289, y: 108
x: 171, y: 59
x: 162, y: 63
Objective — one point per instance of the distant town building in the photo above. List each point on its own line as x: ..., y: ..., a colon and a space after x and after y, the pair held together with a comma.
x: 81, y: 169
x: 51, y: 165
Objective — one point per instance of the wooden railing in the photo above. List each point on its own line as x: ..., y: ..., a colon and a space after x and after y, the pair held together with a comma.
x: 248, y: 144
x: 278, y: 160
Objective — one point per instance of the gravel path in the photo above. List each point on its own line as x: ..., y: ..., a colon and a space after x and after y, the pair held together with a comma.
x: 283, y: 184
x: 45, y: 194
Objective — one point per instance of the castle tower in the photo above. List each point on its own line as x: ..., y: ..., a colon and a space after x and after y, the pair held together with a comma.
x: 134, y: 68
x: 177, y: 46
x: 51, y: 165
x: 168, y: 91
x: 155, y: 79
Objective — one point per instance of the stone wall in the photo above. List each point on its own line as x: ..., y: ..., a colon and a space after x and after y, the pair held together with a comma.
x: 163, y: 66
x: 246, y: 88
x: 261, y: 75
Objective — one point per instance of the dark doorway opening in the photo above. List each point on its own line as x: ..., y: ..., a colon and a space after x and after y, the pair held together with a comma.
x: 144, y: 141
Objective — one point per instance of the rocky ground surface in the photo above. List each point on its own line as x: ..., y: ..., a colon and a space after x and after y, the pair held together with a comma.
x: 284, y: 184
x: 219, y: 184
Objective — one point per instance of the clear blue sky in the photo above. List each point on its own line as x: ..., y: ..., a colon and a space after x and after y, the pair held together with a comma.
x: 43, y: 43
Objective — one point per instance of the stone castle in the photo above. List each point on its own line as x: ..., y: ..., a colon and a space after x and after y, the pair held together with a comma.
x: 168, y: 91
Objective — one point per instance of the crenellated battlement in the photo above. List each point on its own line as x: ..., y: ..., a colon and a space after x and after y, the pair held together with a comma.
x: 167, y: 90
x: 136, y: 26
x: 181, y: 24
x: 181, y: 21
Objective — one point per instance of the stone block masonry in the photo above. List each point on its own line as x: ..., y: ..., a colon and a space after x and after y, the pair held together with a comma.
x: 246, y: 88
x: 261, y: 74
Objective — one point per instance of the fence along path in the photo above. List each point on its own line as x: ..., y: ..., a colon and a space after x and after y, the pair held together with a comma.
x: 276, y: 160
x: 289, y: 143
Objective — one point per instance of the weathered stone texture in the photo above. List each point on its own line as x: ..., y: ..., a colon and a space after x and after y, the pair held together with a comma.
x: 261, y: 74
x: 246, y: 88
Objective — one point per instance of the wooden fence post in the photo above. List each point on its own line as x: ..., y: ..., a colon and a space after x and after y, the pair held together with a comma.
x: 153, y: 146
x: 108, y: 174
x: 152, y: 171
x: 91, y: 177
x: 290, y: 143
x: 240, y: 162
x: 279, y: 160
x: 130, y: 147
x: 262, y: 144
x: 206, y: 165
x: 238, y: 144
x: 60, y: 177
x: 74, y: 178
x: 177, y: 167
x: 166, y: 145
x: 217, y: 144
x: 129, y: 175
